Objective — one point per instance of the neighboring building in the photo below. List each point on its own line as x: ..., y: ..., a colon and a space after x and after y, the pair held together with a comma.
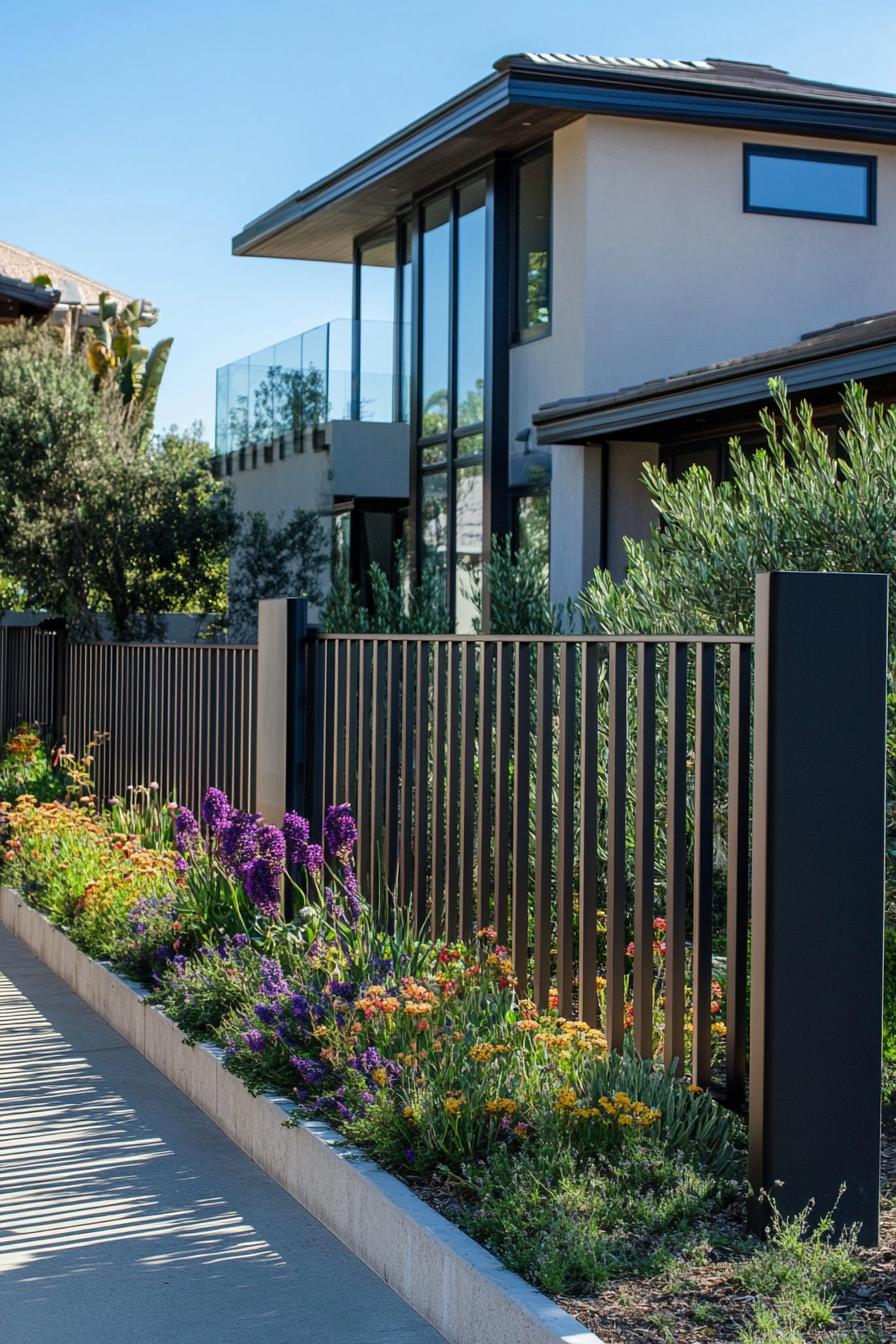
x: 42, y: 290
x: 569, y: 226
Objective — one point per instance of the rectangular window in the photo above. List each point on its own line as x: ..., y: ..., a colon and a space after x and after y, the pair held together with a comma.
x: 532, y: 246
x: 809, y: 183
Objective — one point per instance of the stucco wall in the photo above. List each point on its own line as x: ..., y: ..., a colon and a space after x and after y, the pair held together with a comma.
x: 657, y: 269
x: 299, y: 480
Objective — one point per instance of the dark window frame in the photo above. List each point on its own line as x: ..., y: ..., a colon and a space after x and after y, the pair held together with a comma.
x: 866, y: 161
x: 525, y: 335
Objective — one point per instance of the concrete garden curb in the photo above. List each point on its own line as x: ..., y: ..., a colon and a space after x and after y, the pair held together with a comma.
x: 454, y: 1284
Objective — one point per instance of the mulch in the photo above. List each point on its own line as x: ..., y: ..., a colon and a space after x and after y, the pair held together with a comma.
x: 701, y: 1302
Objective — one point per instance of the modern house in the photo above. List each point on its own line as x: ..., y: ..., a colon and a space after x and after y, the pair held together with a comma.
x: 583, y: 256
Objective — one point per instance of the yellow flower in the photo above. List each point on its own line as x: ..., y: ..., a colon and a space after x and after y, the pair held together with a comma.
x: 380, y: 1077
x: 408, y: 1113
x: 692, y: 1087
x: 624, y: 1120
x: 566, y: 1099
x: 719, y: 1029
x: 501, y: 1106
x: 454, y: 1104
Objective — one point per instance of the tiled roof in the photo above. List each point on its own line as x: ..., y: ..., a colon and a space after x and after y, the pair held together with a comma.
x: 734, y: 75
x: 77, y: 289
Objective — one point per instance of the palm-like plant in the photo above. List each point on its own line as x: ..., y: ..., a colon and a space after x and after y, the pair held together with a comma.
x: 115, y: 352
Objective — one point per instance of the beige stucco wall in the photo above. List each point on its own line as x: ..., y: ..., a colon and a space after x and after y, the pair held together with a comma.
x: 657, y: 269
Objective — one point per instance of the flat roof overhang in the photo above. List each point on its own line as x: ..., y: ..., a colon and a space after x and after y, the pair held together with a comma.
x: 516, y: 107
x: 711, y: 397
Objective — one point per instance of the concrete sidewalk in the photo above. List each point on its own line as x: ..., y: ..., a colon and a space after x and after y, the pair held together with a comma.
x: 126, y: 1216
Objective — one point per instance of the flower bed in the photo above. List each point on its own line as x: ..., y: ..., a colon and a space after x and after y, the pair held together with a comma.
x: 577, y: 1168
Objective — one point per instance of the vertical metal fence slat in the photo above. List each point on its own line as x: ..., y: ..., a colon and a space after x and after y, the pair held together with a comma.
x: 406, y: 799
x: 452, y: 789
x: 616, y: 802
x: 544, y: 773
x: 484, y: 884
x: 503, y: 709
x: 645, y: 819
x: 566, y: 727
x: 393, y: 762
x: 676, y: 855
x: 466, y: 906
x: 437, y: 866
x: 353, y: 664
x: 701, y: 978
x: 738, y: 874
x: 421, y: 786
x: 377, y: 769
x: 520, y: 807
x: 588, y: 833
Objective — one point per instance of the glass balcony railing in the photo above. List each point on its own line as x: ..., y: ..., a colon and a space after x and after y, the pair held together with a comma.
x: 343, y: 370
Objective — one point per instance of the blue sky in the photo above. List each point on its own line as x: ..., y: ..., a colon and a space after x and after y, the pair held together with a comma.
x: 141, y: 137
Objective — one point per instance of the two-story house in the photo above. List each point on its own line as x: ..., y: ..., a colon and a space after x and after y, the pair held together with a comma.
x: 584, y: 259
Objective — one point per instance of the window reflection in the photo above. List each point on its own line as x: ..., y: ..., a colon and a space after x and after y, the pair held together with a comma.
x: 819, y: 185
x: 471, y: 304
x: 468, y: 545
x: 434, y: 522
x: 533, y: 244
x: 436, y: 310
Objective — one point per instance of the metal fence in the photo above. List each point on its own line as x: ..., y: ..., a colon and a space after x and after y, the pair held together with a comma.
x: 565, y: 791
x: 28, y: 667
x: 177, y: 715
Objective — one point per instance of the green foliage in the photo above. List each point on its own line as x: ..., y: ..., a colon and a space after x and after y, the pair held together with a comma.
x: 399, y: 608
x: 115, y: 355
x: 25, y: 767
x: 796, y: 1277
x: 889, y: 1055
x: 273, y: 559
x: 791, y: 505
x: 142, y: 813
x: 519, y: 594
x: 98, y: 519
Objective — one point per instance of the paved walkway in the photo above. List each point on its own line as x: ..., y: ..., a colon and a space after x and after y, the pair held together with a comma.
x: 127, y: 1216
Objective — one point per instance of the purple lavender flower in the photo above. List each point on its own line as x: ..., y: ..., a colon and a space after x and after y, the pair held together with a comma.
x: 240, y: 940
x: 314, y: 859
x: 299, y: 1008
x: 186, y: 831
x: 262, y: 886
x: 310, y: 1071
x: 333, y: 910
x: 266, y: 1013
x: 296, y: 831
x: 341, y: 989
x: 273, y: 981
x: 216, y: 810
x: 254, y: 1039
x: 181, y: 865
x: 238, y: 841
x: 340, y: 831
x: 350, y: 891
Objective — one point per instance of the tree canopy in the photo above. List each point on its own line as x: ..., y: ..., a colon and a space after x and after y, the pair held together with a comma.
x: 97, y: 515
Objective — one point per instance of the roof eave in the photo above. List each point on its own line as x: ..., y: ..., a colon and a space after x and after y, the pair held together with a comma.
x: 595, y: 422
x: 616, y: 93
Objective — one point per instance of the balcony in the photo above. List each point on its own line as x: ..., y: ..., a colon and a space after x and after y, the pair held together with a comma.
x: 278, y: 398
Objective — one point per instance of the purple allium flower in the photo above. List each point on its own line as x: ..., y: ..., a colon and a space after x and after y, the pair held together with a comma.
x: 181, y: 865
x: 238, y: 841
x: 296, y: 830
x: 216, y: 810
x: 254, y: 1039
x: 310, y: 1071
x: 350, y: 890
x: 186, y: 831
x: 314, y: 859
x: 333, y: 910
x: 262, y: 886
x: 340, y: 831
x: 271, y: 844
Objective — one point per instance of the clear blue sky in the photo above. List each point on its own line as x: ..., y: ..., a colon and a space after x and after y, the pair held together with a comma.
x: 140, y: 137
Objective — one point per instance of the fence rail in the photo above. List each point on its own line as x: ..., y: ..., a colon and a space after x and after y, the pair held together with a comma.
x: 28, y: 667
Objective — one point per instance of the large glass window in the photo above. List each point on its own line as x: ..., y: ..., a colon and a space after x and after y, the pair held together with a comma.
x: 374, y: 391
x: 470, y: 304
x: 404, y: 334
x: 532, y: 531
x: 817, y: 185
x: 436, y: 313
x: 533, y: 246
x: 451, y: 406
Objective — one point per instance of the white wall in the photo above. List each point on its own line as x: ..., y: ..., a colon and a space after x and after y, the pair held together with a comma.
x: 299, y: 480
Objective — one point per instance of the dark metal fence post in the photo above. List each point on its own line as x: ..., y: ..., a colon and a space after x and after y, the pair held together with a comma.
x: 281, y: 759
x: 818, y: 894
x: 58, y: 724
